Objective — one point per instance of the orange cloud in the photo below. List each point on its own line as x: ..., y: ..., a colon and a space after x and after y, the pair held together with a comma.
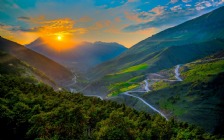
x: 57, y: 26
x: 137, y: 17
x: 117, y: 19
x: 45, y: 27
x: 133, y: 17
x: 41, y: 27
x: 5, y: 30
x: 36, y: 19
x: 12, y: 33
x: 159, y: 10
x: 101, y: 24
x: 85, y: 19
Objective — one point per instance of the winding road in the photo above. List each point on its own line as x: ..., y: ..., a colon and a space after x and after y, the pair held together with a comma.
x: 177, y: 74
x: 153, y: 108
x: 146, y: 87
x: 146, y: 90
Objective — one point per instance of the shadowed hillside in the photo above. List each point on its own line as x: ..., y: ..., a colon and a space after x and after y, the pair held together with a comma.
x: 13, y: 66
x: 53, y: 70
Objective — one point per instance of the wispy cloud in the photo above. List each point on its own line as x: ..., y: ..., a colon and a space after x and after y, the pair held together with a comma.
x: 175, y: 12
x: 176, y: 8
x: 102, y: 24
x: 92, y: 20
x: 6, y: 29
x: 135, y: 17
x: 174, y: 1
x: 23, y: 18
x: 186, y: 1
x: 51, y: 27
x: 36, y: 19
x: 202, y: 5
x: 85, y: 19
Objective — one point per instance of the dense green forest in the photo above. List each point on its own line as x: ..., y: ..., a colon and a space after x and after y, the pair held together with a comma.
x: 32, y: 110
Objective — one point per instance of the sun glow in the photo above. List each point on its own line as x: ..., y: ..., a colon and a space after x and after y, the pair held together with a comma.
x: 60, y: 43
x: 59, y: 38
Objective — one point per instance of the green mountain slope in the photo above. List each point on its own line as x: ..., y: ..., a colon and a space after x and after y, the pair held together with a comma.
x: 198, y: 99
x: 172, y: 56
x: 31, y: 110
x: 202, y: 29
x: 122, y: 80
x: 53, y: 70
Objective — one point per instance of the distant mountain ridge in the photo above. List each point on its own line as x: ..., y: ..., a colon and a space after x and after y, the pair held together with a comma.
x: 53, y: 70
x: 177, y: 45
x: 202, y: 29
x: 82, y: 56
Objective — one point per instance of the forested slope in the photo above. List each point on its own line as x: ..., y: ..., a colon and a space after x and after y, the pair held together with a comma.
x: 31, y: 110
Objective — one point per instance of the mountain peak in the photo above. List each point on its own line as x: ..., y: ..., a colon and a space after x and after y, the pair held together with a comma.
x: 83, y: 55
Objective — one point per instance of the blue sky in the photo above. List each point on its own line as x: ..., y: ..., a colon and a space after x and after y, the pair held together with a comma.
x: 123, y: 21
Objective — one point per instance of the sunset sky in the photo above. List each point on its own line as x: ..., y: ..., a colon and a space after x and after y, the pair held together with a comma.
x: 124, y: 21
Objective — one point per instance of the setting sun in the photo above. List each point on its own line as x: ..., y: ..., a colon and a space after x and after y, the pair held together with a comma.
x: 60, y: 43
x: 59, y: 37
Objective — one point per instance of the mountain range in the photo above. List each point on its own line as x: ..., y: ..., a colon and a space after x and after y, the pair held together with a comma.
x: 82, y: 56
x: 181, y: 44
x: 205, y: 28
